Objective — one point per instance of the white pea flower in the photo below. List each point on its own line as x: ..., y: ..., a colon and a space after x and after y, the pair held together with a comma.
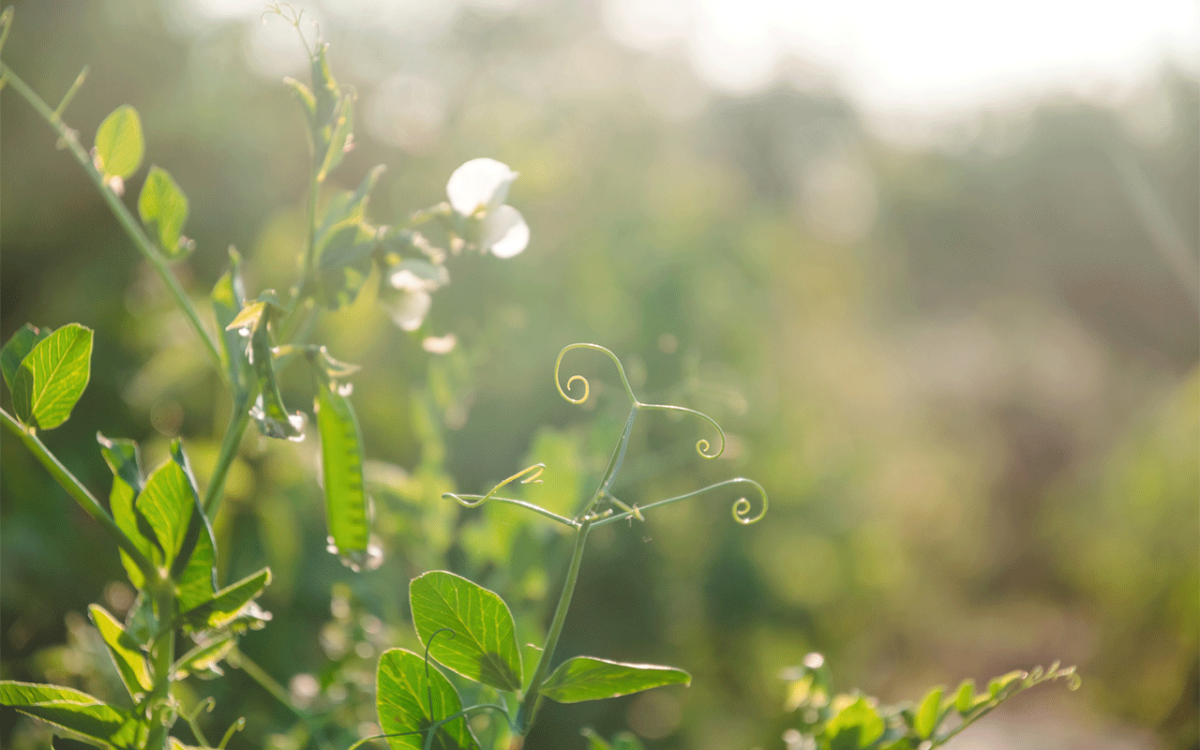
x: 415, y: 280
x: 477, y: 189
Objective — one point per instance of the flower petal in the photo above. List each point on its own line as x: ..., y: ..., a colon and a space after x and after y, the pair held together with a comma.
x: 480, y: 183
x: 505, y: 232
x: 408, y: 310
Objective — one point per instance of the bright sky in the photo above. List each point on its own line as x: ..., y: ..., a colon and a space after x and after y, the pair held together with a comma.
x: 920, y: 57
x: 914, y: 59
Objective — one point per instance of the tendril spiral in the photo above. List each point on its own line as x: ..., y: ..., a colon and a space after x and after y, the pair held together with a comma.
x: 581, y: 379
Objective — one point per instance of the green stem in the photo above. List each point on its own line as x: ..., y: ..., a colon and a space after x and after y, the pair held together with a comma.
x: 162, y: 656
x: 229, y: 446
x: 75, y: 489
x: 126, y: 219
x: 529, y: 706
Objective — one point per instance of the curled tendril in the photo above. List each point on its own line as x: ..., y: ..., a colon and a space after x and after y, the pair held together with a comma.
x: 528, y: 475
x: 581, y: 379
x: 741, y: 507
x: 702, y: 445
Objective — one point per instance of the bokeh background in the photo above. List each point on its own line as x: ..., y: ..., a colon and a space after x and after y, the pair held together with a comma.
x: 933, y: 268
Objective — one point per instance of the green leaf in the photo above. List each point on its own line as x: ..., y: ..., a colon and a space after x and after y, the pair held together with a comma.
x: 231, y: 606
x: 228, y: 297
x: 1000, y: 683
x: 928, y: 713
x: 344, y: 263
x: 21, y: 343
x: 52, y: 377
x: 203, y: 660
x: 340, y: 138
x: 484, y: 643
x: 347, y: 207
x: 122, y: 458
x: 141, y: 624
x: 167, y: 504
x: 346, y: 504
x: 194, y: 571
x: 79, y: 713
x: 306, y: 98
x: 325, y: 89
x: 119, y: 144
x: 856, y: 726
x: 125, y: 653
x: 586, y: 678
x: 164, y: 209
x: 964, y: 698
x: 410, y: 696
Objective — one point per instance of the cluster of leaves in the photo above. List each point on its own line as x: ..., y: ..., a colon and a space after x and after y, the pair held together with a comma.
x: 162, y: 522
x: 823, y: 720
x: 168, y: 551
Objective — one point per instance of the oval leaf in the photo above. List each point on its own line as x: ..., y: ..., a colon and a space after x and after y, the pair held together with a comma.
x: 586, y: 678
x: 410, y: 696
x: 964, y: 698
x: 17, y: 348
x: 167, y: 503
x: 928, y: 713
x: 119, y: 145
x: 856, y: 726
x: 52, y: 377
x: 164, y: 209
x: 483, y: 647
x: 342, y: 465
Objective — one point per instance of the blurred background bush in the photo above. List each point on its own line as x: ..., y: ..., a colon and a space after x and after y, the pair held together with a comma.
x: 959, y: 348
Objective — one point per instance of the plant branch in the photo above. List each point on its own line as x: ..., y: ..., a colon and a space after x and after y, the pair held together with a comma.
x: 533, y: 698
x: 124, y: 217
x: 85, y: 498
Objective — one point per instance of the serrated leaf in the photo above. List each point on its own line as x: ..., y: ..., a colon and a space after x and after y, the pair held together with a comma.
x: 855, y: 726
x: 17, y: 348
x: 484, y: 646
x: 928, y: 712
x: 964, y: 698
x: 203, y: 659
x: 53, y: 376
x: 125, y: 652
x: 122, y: 458
x: 164, y: 209
x: 228, y: 297
x: 230, y: 605
x: 80, y: 714
x: 410, y: 696
x: 119, y: 144
x: 194, y: 571
x: 346, y: 504
x: 586, y: 678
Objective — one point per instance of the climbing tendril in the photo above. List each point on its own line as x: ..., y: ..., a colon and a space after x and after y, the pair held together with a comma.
x: 742, y: 507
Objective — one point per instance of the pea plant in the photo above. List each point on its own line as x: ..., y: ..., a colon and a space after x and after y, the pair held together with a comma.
x: 183, y: 624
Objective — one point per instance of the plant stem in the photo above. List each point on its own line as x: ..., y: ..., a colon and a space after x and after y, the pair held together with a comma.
x: 277, y: 691
x: 126, y: 219
x: 75, y: 489
x: 229, y: 446
x: 529, y: 705
x: 162, y: 656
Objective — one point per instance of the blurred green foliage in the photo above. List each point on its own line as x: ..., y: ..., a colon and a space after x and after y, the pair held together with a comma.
x: 964, y: 372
